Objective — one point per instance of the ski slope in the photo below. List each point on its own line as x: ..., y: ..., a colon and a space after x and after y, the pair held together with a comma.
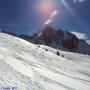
x: 28, y: 67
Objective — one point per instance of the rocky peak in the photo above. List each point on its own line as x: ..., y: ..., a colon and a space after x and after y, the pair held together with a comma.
x: 50, y: 35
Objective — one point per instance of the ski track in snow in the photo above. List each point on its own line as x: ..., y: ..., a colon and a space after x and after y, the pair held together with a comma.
x: 28, y: 67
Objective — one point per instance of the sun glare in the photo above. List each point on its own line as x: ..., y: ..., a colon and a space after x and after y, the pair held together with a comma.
x: 45, y: 8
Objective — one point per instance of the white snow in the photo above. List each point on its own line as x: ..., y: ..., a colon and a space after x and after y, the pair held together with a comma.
x: 88, y: 41
x: 80, y: 35
x: 28, y: 67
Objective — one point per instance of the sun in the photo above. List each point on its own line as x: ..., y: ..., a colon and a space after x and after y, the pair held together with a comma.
x: 45, y: 8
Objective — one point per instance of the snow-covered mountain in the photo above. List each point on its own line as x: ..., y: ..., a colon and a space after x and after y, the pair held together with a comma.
x: 62, y: 40
x: 58, y: 39
x: 29, y: 67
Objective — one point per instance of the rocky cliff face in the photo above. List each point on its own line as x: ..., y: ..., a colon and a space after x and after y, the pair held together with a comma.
x: 60, y: 39
x: 50, y: 35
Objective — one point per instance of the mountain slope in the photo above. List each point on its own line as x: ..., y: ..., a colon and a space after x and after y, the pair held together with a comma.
x: 62, y: 40
x: 28, y: 67
x: 58, y: 39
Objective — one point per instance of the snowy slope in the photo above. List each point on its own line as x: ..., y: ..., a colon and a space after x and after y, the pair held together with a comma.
x: 88, y: 41
x: 28, y: 67
x: 75, y: 57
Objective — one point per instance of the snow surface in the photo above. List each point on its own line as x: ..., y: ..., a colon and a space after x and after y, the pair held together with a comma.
x: 28, y: 67
x: 88, y: 41
x: 80, y: 36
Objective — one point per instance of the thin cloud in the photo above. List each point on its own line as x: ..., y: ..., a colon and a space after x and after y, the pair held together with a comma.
x: 47, y: 22
x: 53, y: 14
x: 12, y: 24
x: 76, y: 1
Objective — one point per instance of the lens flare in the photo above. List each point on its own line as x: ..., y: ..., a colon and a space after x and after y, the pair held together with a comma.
x: 45, y: 8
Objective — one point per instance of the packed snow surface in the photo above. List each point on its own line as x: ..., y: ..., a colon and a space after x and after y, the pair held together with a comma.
x: 29, y: 67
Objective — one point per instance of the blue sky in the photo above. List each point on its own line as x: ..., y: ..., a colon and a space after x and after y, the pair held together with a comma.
x: 29, y: 16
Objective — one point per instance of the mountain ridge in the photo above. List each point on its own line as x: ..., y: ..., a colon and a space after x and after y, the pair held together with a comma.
x: 56, y: 38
